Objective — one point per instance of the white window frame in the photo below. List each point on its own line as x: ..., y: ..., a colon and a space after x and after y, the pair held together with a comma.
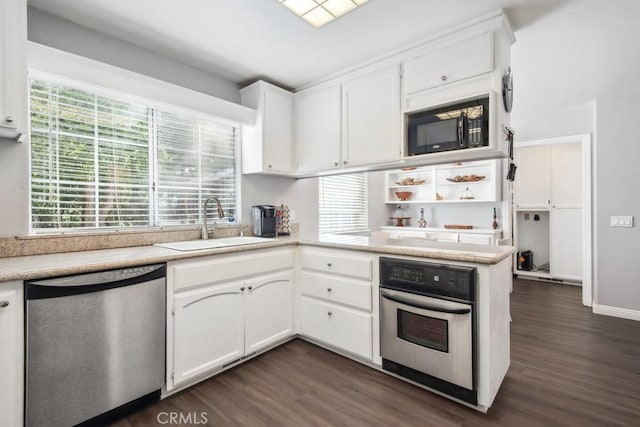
x: 110, y: 93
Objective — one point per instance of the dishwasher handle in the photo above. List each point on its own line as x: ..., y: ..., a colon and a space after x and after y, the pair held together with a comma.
x: 417, y: 304
x: 92, y: 282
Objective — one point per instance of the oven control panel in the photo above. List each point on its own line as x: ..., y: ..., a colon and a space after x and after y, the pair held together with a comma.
x: 408, y: 274
x: 427, y: 278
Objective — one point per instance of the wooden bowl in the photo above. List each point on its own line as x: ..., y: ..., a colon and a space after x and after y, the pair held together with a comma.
x: 404, y: 195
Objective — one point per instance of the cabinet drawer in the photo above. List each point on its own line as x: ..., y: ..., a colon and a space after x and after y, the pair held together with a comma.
x: 338, y: 290
x: 341, y: 327
x: 358, y: 267
x: 462, y: 60
x: 218, y: 268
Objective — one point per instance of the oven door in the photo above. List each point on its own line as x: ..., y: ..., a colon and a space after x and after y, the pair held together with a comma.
x: 429, y: 335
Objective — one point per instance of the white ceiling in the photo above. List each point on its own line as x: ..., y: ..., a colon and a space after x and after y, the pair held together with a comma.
x: 243, y: 40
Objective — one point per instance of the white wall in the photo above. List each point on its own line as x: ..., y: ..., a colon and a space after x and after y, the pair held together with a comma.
x: 617, y: 192
x: 575, y: 72
x: 61, y: 34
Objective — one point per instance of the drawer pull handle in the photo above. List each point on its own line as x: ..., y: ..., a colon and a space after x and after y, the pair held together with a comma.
x: 250, y: 287
x: 242, y: 289
x: 4, y: 304
x: 330, y: 313
x: 329, y: 264
x: 328, y: 289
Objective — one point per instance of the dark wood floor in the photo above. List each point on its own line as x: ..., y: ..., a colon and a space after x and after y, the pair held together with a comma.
x: 569, y: 367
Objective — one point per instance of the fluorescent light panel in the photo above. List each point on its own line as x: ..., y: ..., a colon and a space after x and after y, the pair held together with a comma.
x: 321, y: 12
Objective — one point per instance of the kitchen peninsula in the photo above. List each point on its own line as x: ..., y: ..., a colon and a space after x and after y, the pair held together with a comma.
x: 331, y: 287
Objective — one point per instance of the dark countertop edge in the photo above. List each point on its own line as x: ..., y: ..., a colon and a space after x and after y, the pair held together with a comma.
x: 172, y: 255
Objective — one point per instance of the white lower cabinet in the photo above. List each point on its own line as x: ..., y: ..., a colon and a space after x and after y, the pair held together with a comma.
x: 208, y: 330
x: 335, y: 299
x: 215, y: 320
x: 335, y: 324
x: 269, y: 310
x: 11, y: 353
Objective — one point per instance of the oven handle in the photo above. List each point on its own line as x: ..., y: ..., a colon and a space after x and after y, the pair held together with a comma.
x: 413, y: 303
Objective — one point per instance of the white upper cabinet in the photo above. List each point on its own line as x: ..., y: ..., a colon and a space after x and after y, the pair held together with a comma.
x: 371, y: 118
x: 532, y: 177
x: 448, y: 64
x: 565, y: 162
x: 267, y: 147
x: 13, y: 68
x: 548, y: 176
x: 317, y: 129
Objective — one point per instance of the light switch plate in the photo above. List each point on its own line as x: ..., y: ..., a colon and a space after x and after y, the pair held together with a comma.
x: 622, y: 221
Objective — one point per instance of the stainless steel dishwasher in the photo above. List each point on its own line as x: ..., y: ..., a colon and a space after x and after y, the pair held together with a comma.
x: 95, y: 345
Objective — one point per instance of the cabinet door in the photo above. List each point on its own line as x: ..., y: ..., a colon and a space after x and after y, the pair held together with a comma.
x: 337, y: 325
x: 532, y: 177
x: 269, y: 311
x: 13, y: 68
x: 452, y: 63
x: 277, y: 131
x: 317, y: 129
x: 208, y: 329
x: 565, y: 243
x: 565, y: 161
x: 371, y: 118
x: 11, y: 321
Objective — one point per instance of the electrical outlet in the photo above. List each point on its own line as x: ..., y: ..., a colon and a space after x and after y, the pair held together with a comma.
x: 622, y: 221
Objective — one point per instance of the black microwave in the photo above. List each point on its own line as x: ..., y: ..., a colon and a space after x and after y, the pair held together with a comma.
x: 454, y: 127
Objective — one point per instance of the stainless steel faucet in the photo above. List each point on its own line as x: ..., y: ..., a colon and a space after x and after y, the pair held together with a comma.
x: 205, y: 232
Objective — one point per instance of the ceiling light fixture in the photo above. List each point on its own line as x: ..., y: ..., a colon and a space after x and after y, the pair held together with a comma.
x: 321, y: 12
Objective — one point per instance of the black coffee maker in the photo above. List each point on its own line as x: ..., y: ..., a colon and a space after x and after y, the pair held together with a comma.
x: 264, y: 220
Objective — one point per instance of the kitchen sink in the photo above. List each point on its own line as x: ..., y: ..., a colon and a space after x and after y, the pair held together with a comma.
x: 198, y: 245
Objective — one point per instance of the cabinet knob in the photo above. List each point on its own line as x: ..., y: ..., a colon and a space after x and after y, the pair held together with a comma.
x: 554, y: 206
x: 250, y: 287
x: 242, y: 289
x: 4, y: 304
x: 329, y: 264
x: 328, y: 289
x: 443, y: 78
x: 344, y: 162
x: 269, y: 166
x: 335, y: 163
x: 329, y: 313
x: 8, y: 119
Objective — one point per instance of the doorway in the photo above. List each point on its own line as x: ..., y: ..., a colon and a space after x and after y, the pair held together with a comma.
x: 551, y: 211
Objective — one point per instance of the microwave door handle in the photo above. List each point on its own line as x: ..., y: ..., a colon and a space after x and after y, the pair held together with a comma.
x: 413, y: 303
x: 461, y: 120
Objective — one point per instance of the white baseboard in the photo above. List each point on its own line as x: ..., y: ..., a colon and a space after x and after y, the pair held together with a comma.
x: 623, y: 313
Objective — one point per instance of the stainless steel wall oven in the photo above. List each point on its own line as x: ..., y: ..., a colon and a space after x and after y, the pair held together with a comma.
x: 428, y: 325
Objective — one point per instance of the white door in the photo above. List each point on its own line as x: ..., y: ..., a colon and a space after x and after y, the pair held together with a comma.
x: 269, y: 314
x: 10, y: 361
x: 532, y: 178
x: 565, y: 170
x: 371, y: 118
x: 278, y: 131
x: 565, y: 244
x: 317, y: 129
x: 208, y: 329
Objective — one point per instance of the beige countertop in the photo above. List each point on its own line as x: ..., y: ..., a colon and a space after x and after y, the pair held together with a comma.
x: 415, y: 247
x: 60, y: 264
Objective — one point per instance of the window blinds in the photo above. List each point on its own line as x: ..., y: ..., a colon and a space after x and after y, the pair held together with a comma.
x: 343, y: 203
x: 100, y: 162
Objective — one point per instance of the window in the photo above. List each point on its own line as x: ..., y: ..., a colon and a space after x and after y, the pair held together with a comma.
x: 343, y: 203
x: 102, y: 162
